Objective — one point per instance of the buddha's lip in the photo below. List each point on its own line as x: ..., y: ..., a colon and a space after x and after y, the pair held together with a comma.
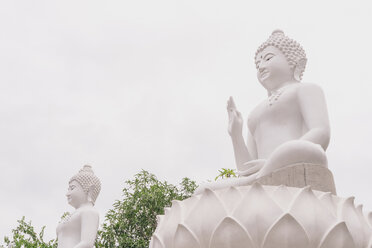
x: 264, y: 73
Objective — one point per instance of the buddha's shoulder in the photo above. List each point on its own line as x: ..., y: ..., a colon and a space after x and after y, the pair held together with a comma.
x: 306, y: 90
x: 304, y: 86
x: 90, y: 211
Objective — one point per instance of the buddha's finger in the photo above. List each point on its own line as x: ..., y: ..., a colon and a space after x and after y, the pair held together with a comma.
x: 232, y: 103
x: 228, y: 107
x: 250, y: 164
x: 230, y: 114
x: 250, y: 171
x: 237, y: 115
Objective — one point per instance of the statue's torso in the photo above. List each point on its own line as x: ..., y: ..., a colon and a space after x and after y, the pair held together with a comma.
x: 68, y: 232
x: 274, y: 122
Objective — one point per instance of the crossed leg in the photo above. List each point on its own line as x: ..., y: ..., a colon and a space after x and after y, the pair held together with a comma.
x: 291, y: 153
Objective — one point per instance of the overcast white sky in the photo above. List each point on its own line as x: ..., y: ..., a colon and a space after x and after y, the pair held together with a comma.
x: 131, y: 85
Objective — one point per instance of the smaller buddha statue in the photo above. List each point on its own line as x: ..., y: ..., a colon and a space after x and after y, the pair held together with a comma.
x: 79, y: 229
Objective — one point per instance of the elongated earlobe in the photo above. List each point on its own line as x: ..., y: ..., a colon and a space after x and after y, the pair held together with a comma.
x: 299, y: 69
x: 90, y: 194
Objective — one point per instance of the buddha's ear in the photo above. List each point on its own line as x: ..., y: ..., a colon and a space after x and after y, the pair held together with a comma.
x: 300, y: 67
x: 90, y: 193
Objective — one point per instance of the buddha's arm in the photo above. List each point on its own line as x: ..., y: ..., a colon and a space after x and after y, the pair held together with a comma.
x: 241, y: 152
x: 251, y: 146
x: 249, y: 163
x: 314, y: 112
x: 235, y: 128
x: 89, y: 227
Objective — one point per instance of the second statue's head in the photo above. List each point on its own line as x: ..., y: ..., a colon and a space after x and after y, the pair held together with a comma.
x: 279, y: 59
x: 84, y: 187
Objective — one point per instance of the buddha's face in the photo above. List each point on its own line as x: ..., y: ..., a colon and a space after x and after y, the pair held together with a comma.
x: 273, y: 68
x: 76, y: 195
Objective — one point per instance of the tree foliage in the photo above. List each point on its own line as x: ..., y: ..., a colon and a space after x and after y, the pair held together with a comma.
x: 132, y: 220
x: 25, y: 236
x: 225, y: 173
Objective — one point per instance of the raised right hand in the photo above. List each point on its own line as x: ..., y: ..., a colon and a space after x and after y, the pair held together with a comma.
x: 235, y: 119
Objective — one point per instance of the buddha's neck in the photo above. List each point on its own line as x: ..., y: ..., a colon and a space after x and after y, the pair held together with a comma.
x: 85, y: 204
x: 281, y: 86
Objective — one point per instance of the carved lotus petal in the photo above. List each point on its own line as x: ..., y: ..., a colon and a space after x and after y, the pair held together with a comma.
x: 230, y: 197
x: 350, y: 215
x: 286, y: 233
x: 166, y: 210
x: 257, y: 212
x: 312, y: 214
x: 156, y: 242
x: 188, y: 205
x: 205, y: 216
x: 169, y: 223
x: 204, y: 221
x: 185, y: 238
x: 159, y: 219
x: 369, y: 217
x: 329, y: 202
x: 370, y: 244
x: 366, y: 229
x: 338, y: 237
x: 230, y: 234
x: 282, y: 197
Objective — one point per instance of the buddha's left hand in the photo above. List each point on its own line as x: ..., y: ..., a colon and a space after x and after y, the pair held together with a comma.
x: 252, y: 167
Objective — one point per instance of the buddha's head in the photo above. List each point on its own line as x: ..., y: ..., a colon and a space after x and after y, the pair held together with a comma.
x: 279, y: 59
x: 83, y: 187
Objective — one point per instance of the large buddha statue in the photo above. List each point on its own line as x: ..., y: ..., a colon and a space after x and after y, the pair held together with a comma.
x: 79, y: 229
x: 285, y: 195
x: 289, y: 127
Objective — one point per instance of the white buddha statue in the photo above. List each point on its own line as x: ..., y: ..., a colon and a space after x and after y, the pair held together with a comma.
x: 79, y: 229
x: 289, y: 127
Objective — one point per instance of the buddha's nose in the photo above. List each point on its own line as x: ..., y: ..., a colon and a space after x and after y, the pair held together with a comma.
x: 261, y: 68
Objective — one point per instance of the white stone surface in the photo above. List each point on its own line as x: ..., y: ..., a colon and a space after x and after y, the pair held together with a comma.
x: 301, y: 175
x: 261, y: 217
x: 288, y: 134
x: 79, y: 229
x: 289, y: 127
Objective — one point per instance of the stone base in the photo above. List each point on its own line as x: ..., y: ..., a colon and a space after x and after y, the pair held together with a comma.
x: 301, y: 175
x: 262, y: 216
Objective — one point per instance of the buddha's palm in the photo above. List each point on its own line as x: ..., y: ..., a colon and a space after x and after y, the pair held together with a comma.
x: 235, y: 119
x: 251, y: 167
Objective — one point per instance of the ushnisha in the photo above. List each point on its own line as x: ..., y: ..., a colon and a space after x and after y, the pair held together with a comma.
x: 79, y: 229
x: 289, y: 127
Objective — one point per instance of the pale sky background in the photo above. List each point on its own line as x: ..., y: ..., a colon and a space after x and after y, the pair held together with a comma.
x: 131, y: 85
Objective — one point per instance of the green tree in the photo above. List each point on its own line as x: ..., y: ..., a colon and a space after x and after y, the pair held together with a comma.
x: 132, y: 220
x: 225, y: 173
x: 25, y: 236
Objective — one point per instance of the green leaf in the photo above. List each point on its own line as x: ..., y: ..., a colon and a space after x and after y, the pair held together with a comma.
x: 132, y: 220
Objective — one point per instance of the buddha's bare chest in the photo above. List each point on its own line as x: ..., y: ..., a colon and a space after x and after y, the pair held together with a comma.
x: 278, y: 111
x: 69, y: 231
